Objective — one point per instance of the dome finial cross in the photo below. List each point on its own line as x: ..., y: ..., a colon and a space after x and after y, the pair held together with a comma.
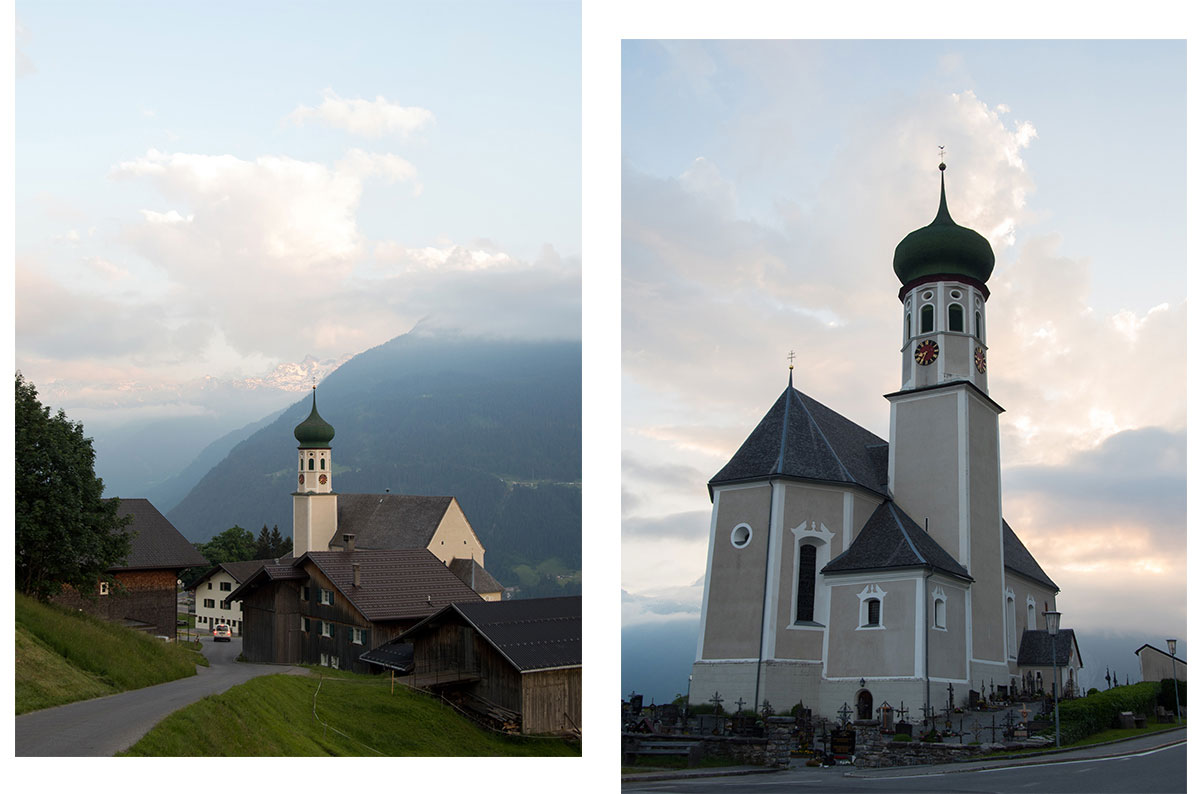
x: 942, y: 154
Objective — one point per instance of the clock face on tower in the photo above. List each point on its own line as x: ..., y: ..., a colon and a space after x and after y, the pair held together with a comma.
x: 926, y: 352
x: 323, y: 479
x: 980, y: 360
x: 302, y: 479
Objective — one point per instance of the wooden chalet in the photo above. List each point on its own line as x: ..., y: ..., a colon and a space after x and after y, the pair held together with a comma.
x: 328, y: 607
x: 519, y: 662
x: 143, y: 592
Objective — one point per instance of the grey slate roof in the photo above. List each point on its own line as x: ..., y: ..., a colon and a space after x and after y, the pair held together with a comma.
x: 474, y: 576
x: 801, y: 438
x: 1138, y: 653
x: 532, y: 633
x: 395, y: 583
x: 890, y: 539
x: 1038, y: 649
x: 156, y: 542
x: 389, y: 521
x: 1018, y: 559
x: 393, y: 655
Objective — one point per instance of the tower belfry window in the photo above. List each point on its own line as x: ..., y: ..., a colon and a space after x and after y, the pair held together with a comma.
x: 322, y: 464
x: 907, y: 326
x: 955, y: 317
x: 979, y: 325
x: 927, y: 319
x: 310, y: 464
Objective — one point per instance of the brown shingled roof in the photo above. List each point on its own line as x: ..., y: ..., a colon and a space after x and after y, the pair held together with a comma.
x: 156, y: 541
x: 395, y: 584
x: 474, y: 575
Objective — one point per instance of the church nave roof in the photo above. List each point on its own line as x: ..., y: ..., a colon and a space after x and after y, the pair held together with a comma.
x: 890, y: 539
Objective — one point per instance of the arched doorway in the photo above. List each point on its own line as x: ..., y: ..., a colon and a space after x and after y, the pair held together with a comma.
x: 864, y: 704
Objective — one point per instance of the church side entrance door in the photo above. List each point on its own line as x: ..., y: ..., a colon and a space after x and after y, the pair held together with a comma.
x: 864, y: 703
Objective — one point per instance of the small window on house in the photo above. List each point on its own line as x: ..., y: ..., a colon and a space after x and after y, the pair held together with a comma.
x: 304, y: 594
x: 326, y: 629
x: 210, y: 585
x: 927, y: 319
x: 225, y: 604
x: 358, y: 636
x: 326, y: 596
x: 305, y: 624
x: 324, y: 660
x: 210, y: 603
x: 956, y: 318
x: 104, y: 588
x: 227, y: 586
x: 873, y: 612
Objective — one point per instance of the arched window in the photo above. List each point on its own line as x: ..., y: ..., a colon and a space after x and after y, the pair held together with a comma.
x: 1010, y: 614
x: 907, y: 326
x: 927, y: 318
x: 322, y: 464
x: 979, y: 325
x: 1031, y: 615
x: 870, y: 607
x: 806, y: 585
x: 956, y: 318
x: 872, y: 611
x: 310, y: 464
x: 939, y: 613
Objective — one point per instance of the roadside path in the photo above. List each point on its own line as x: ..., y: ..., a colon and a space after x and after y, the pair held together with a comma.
x: 105, y: 726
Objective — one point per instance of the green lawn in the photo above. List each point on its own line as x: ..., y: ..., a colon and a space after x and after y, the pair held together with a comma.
x: 273, y: 715
x: 64, y: 656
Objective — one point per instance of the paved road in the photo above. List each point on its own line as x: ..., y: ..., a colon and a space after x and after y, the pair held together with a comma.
x: 1140, y: 765
x: 107, y: 725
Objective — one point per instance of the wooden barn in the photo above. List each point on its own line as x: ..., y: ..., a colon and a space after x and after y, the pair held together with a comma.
x: 517, y: 661
x: 144, y: 587
x: 328, y: 607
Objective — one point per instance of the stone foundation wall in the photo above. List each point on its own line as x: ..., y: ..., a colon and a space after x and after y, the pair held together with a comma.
x: 774, y: 750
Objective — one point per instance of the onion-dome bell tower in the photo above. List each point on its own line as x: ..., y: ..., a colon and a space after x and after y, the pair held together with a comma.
x: 944, y: 444
x: 314, y: 504
x: 943, y: 269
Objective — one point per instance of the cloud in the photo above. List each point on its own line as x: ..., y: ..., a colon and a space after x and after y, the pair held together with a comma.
x: 690, y: 525
x: 364, y: 118
x: 25, y: 64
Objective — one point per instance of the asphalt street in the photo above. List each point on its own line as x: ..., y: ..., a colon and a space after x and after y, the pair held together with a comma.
x: 105, y: 726
x: 1143, y: 766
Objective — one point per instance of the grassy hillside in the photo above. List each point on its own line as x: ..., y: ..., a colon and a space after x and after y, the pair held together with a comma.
x: 64, y: 656
x: 354, y: 715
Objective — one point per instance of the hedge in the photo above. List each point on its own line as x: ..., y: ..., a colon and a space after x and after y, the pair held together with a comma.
x: 1094, y: 713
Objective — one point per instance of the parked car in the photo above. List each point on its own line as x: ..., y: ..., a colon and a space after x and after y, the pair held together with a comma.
x: 221, y: 633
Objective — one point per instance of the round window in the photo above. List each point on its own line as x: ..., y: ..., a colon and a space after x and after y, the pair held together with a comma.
x: 978, y: 303
x: 927, y: 296
x: 740, y: 537
x: 955, y: 294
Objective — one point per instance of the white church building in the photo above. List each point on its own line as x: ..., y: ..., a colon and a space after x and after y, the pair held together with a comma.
x: 848, y: 569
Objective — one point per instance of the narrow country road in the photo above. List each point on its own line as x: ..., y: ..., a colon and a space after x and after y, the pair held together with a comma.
x: 107, y: 725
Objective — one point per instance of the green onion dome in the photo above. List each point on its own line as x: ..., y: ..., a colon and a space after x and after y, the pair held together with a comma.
x: 314, y: 431
x: 943, y: 248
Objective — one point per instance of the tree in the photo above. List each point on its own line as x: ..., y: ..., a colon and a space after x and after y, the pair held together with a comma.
x: 233, y: 545
x: 66, y: 532
x: 280, y: 546
x: 263, y: 548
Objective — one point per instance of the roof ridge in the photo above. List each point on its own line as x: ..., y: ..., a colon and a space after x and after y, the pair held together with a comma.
x: 904, y: 532
x: 820, y: 430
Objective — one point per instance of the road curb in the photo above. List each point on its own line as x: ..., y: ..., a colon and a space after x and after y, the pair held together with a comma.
x: 689, y: 774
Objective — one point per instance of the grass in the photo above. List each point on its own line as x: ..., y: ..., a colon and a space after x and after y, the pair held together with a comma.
x: 355, y: 715
x: 64, y: 656
x: 1110, y: 735
x: 665, y: 763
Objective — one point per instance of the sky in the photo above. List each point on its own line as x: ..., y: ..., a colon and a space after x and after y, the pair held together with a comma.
x: 765, y: 185
x: 220, y: 191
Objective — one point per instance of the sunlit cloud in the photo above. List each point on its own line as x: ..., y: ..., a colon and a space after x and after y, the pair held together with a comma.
x: 368, y: 118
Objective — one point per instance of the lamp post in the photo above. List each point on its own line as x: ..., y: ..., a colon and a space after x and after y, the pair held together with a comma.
x: 1174, y: 680
x: 1052, y: 619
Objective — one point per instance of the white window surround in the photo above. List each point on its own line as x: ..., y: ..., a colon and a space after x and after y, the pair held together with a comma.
x: 741, y: 535
x: 1031, y: 611
x: 939, y: 608
x: 871, y: 592
x: 104, y: 588
x: 816, y: 534
x: 1010, y: 617
x: 326, y: 629
x: 326, y: 596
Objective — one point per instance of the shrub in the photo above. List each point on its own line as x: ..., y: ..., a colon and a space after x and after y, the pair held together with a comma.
x: 1098, y: 712
x: 1093, y: 691
x: 932, y: 736
x: 1166, y: 694
x: 902, y: 737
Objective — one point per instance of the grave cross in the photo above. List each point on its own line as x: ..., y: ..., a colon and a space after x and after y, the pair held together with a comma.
x: 928, y: 711
x: 767, y: 708
x: 740, y: 703
x: 844, y: 713
x: 950, y: 695
x: 716, y: 700
x: 902, y: 712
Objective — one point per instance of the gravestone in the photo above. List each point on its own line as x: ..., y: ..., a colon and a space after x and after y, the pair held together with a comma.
x: 972, y: 699
x: 903, y: 727
x: 841, y: 742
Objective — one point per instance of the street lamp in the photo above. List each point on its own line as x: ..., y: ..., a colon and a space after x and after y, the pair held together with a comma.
x: 1052, y: 619
x: 1174, y: 680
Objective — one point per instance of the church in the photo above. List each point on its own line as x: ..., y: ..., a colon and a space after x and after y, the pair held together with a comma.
x: 848, y: 570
